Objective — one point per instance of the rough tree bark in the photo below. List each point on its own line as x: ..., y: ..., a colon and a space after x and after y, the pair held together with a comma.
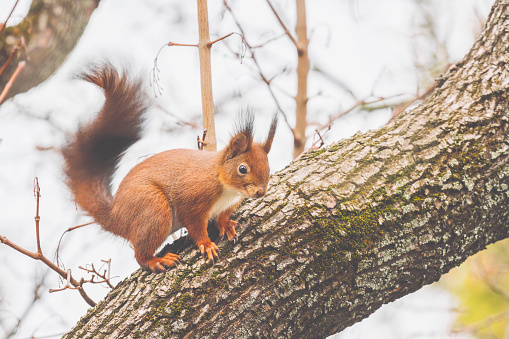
x: 348, y: 228
x: 51, y: 30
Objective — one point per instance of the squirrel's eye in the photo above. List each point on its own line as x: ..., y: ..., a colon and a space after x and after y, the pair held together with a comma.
x: 242, y: 169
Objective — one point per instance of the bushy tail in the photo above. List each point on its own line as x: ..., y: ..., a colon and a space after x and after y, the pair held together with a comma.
x: 92, y: 155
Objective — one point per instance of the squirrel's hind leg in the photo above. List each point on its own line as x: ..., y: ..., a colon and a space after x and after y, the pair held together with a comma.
x: 150, y: 228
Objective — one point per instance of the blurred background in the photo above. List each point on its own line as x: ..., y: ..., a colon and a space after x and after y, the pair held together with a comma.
x: 369, y: 60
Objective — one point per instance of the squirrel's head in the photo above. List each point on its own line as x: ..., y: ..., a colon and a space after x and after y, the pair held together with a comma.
x: 244, y: 162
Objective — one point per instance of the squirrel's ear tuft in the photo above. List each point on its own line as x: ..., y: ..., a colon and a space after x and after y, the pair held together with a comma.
x: 244, y: 124
x: 272, y: 131
x: 242, y: 138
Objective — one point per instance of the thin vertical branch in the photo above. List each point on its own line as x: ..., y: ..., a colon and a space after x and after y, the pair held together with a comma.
x: 37, y: 193
x: 301, y: 98
x: 204, y: 46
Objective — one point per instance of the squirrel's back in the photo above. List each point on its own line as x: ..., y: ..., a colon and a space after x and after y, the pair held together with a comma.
x: 92, y: 155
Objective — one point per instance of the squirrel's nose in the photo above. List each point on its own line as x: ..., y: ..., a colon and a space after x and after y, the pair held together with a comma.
x: 260, y: 192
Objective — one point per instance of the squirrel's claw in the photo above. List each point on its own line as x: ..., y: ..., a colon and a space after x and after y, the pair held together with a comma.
x: 172, y: 257
x: 230, y: 231
x: 228, y: 228
x: 209, y: 250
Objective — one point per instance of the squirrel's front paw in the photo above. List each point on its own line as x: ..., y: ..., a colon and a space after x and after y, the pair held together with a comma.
x: 229, y: 229
x: 208, y: 247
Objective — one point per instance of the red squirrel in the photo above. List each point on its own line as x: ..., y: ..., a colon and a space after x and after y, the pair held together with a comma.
x: 167, y: 191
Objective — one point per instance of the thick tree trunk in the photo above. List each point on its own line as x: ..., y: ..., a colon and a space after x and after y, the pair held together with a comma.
x: 51, y: 30
x: 348, y: 228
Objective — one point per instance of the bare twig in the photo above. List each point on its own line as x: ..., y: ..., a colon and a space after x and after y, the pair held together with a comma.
x: 301, y: 45
x: 4, y: 24
x: 106, y: 275
x: 68, y: 284
x: 8, y: 86
x: 57, y: 253
x: 287, y: 31
x: 39, y: 256
x: 201, y: 142
x: 154, y: 74
x: 204, y: 47
x: 330, y: 77
x: 46, y: 148
x: 9, y: 59
x: 320, y: 138
x: 402, y: 107
x: 365, y: 102
x: 266, y: 42
x: 48, y: 263
x: 222, y: 38
x: 257, y: 64
x: 359, y: 103
x: 181, y: 45
x: 37, y: 194
x: 23, y: 44
x: 180, y: 122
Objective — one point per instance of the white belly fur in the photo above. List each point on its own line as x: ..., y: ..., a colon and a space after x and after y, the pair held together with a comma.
x: 228, y: 198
